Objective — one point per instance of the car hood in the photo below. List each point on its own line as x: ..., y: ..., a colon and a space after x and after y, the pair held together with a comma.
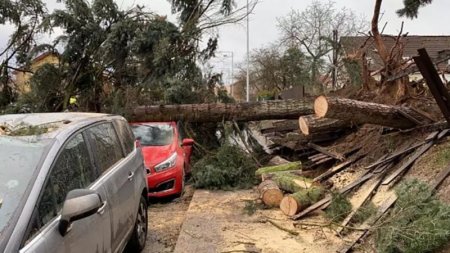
x: 154, y: 155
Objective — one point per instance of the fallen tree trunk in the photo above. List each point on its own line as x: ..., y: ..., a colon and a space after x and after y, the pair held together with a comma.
x: 311, y: 124
x: 294, y: 203
x: 282, y: 126
x: 269, y: 193
x: 216, y: 112
x: 359, y: 112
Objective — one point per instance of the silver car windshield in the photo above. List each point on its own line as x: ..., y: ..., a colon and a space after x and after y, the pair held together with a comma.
x: 153, y: 135
x: 19, y: 159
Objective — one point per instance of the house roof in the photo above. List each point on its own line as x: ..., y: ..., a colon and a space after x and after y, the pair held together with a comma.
x: 438, y: 47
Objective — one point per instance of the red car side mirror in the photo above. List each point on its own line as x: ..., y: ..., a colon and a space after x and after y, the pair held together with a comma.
x: 188, y: 142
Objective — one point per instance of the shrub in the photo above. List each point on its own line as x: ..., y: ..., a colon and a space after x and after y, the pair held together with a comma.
x: 229, y: 168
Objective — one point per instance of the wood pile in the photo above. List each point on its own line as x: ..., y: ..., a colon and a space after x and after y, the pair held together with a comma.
x: 305, y: 188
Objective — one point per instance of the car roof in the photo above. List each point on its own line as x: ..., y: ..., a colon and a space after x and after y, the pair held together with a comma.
x: 154, y: 123
x: 49, y: 124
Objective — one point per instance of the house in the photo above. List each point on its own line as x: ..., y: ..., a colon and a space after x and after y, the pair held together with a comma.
x: 22, y: 78
x: 438, y: 47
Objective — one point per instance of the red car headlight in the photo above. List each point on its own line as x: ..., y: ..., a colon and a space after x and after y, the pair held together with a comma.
x: 167, y: 164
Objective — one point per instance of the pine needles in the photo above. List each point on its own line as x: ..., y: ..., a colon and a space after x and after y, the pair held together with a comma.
x: 418, y: 223
x: 229, y: 168
x: 339, y: 208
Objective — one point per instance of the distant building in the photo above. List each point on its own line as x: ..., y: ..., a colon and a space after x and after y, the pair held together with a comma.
x: 438, y: 47
x: 22, y: 78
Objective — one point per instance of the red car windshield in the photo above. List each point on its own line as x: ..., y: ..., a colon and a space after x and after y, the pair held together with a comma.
x: 153, y: 135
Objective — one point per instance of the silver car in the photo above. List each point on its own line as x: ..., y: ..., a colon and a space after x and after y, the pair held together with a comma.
x: 70, y: 182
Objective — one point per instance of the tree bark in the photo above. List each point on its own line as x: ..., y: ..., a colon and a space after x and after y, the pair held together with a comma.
x: 292, y: 183
x: 359, y: 112
x: 282, y: 127
x: 217, y: 112
x: 299, y: 141
x: 311, y: 124
x: 299, y: 201
x: 269, y: 193
x: 379, y: 43
x: 277, y: 168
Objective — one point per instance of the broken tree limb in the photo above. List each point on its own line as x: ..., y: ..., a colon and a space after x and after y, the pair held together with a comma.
x: 434, y: 82
x: 359, y: 112
x: 217, y: 112
x: 329, y: 153
x: 293, y: 203
x: 312, y: 124
x: 269, y: 193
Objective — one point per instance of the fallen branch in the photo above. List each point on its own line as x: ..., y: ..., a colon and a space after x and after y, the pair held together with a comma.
x: 292, y: 232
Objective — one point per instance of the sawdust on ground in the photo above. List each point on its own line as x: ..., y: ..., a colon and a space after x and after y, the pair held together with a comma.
x: 164, y: 222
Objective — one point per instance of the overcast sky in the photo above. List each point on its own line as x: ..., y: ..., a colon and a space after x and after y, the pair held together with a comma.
x: 433, y: 20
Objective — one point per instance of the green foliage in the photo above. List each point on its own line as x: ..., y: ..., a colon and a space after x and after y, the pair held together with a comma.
x: 418, y: 223
x: 339, y: 208
x: 229, y: 168
x: 411, y: 8
x: 354, y: 72
x: 364, y: 213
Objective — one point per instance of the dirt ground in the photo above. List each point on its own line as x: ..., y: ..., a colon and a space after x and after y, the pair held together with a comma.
x: 165, y: 219
x: 219, y: 222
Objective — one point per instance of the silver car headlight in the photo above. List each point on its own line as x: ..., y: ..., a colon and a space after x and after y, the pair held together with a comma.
x: 167, y: 164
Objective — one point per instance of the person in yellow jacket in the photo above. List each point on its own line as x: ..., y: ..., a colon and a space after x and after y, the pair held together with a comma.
x: 73, y: 105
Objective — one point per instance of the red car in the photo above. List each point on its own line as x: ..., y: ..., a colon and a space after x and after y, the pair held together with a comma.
x: 166, y: 155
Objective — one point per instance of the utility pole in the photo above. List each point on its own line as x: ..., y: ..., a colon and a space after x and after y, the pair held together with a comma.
x: 248, y: 55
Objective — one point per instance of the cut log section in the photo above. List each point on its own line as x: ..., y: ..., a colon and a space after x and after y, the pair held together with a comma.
x: 269, y: 193
x: 217, y: 112
x: 277, y: 168
x: 359, y: 112
x: 294, y: 203
x: 311, y: 124
x: 292, y: 183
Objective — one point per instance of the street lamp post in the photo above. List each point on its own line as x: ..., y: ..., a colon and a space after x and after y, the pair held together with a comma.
x: 248, y: 54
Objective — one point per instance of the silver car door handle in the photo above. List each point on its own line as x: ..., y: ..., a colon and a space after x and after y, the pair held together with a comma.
x: 130, y: 175
x: 101, y: 210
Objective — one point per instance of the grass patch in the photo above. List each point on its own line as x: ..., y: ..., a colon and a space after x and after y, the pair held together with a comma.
x: 229, y: 168
x: 339, y: 208
x: 418, y: 223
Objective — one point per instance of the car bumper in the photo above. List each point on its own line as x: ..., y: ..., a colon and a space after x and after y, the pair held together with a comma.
x: 165, y: 183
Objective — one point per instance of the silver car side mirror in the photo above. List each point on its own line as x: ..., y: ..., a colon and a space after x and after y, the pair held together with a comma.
x: 79, y: 204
